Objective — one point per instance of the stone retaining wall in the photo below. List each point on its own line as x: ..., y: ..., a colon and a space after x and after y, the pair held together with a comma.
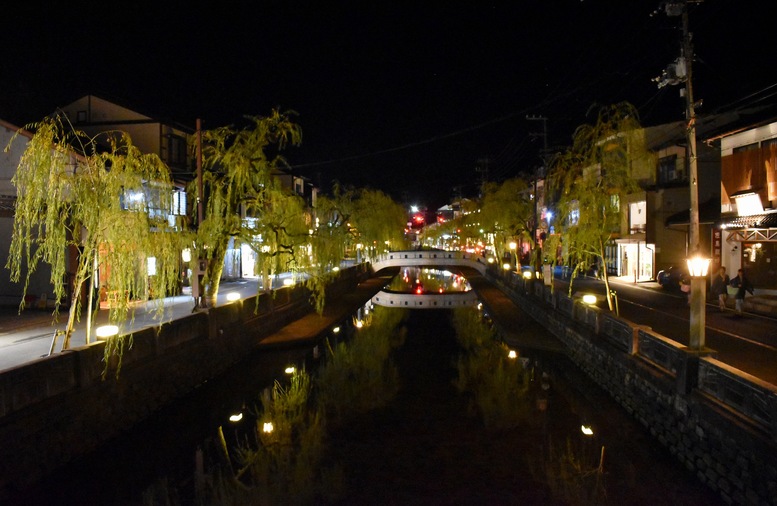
x: 58, y: 407
x: 719, y: 422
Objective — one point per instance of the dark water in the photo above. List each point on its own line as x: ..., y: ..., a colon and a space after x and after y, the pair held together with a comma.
x: 424, y: 448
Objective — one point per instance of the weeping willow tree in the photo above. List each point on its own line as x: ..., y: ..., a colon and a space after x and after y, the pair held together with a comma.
x: 246, y: 201
x: 591, y: 179
x: 361, y: 218
x: 351, y: 218
x: 507, y: 211
x: 379, y: 221
x: 89, y: 206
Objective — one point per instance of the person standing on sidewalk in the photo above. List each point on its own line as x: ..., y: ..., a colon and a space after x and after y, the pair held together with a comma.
x: 742, y: 284
x: 719, y: 287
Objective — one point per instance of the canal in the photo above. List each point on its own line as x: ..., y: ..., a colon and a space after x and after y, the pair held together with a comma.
x: 427, y: 445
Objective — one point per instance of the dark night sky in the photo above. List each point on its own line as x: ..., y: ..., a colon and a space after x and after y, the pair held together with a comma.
x: 401, y: 96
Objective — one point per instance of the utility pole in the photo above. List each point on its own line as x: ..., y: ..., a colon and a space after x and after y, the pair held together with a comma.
x: 537, y: 175
x: 482, y: 169
x: 682, y: 72
x: 198, y: 289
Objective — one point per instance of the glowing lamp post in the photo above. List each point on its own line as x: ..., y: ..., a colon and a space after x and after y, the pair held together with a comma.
x: 697, y: 268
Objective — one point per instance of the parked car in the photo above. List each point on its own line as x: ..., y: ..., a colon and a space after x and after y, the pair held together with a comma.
x: 671, y: 278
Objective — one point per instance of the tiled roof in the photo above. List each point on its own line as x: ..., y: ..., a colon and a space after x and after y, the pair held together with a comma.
x: 766, y: 220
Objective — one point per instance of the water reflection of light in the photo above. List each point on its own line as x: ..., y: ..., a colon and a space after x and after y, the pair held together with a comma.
x: 587, y: 430
x: 430, y: 281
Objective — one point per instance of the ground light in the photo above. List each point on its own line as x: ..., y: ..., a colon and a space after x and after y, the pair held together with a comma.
x: 589, y: 299
x: 527, y: 275
x: 512, y: 354
x: 267, y: 427
x: 105, y: 331
x: 233, y: 296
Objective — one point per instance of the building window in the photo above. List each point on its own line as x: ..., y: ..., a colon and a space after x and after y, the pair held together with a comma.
x: 176, y: 154
x: 637, y: 217
x: 667, y: 170
x: 769, y: 143
x: 759, y: 260
x: 748, y: 147
x: 179, y: 203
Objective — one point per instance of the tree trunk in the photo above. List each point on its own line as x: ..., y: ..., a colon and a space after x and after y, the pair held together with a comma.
x: 215, y: 269
x: 72, y: 313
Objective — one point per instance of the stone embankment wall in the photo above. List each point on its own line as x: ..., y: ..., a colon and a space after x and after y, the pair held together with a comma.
x: 719, y: 422
x: 58, y: 407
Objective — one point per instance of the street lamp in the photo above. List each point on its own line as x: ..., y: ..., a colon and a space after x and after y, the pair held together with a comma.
x: 697, y: 268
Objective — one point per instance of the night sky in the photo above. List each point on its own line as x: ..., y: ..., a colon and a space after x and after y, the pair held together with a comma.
x: 405, y: 97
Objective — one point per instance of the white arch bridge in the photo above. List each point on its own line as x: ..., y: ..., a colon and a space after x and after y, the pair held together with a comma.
x: 420, y: 258
x: 434, y: 259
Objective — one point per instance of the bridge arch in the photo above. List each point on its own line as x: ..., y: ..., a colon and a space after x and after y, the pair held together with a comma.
x: 425, y: 301
x: 429, y: 258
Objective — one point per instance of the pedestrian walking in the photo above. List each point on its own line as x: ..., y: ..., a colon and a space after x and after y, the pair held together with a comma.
x: 743, y: 285
x: 719, y: 287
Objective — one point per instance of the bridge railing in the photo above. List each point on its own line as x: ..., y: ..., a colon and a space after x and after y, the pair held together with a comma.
x: 429, y: 258
x: 425, y: 301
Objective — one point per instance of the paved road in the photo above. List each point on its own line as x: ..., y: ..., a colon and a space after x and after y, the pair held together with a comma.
x: 748, y: 343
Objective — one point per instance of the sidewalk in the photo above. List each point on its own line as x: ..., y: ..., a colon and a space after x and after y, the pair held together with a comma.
x: 28, y: 335
x: 763, y: 304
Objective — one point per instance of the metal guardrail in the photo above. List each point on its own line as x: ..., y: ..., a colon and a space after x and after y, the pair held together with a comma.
x: 745, y: 393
